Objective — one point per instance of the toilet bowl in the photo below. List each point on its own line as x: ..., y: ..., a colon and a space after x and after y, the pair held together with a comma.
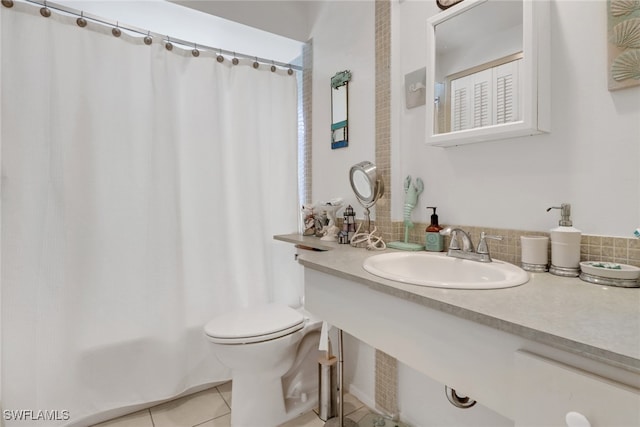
x: 272, y: 352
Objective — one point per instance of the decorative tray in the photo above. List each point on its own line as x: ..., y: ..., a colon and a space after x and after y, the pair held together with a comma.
x: 610, y: 274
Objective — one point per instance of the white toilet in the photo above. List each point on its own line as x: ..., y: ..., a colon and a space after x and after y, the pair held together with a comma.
x: 272, y: 352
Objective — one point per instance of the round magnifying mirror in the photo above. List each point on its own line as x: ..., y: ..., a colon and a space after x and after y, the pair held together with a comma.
x: 365, y: 182
x: 361, y: 184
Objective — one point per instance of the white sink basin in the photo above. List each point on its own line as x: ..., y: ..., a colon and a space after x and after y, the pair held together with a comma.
x: 441, y: 271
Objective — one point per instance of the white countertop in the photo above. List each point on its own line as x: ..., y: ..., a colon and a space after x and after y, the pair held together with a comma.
x: 599, y: 322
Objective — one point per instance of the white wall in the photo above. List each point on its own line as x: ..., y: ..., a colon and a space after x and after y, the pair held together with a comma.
x: 343, y: 39
x: 590, y: 159
x: 359, y: 368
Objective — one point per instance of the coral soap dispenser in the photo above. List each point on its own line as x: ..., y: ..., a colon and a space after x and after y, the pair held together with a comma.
x: 565, y: 245
x: 434, y: 241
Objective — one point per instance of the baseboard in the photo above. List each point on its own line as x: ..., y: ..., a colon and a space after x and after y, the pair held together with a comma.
x: 368, y: 400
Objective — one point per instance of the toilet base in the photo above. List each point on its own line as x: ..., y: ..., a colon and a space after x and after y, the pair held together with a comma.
x: 256, y: 400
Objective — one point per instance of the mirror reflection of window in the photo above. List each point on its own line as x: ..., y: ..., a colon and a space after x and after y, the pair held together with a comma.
x: 339, y: 104
x: 339, y: 116
x: 486, y: 97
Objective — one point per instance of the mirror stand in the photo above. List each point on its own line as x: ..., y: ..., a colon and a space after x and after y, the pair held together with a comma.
x: 367, y: 217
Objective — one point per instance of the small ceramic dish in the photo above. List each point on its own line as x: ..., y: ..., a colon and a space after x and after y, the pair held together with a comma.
x: 610, y: 270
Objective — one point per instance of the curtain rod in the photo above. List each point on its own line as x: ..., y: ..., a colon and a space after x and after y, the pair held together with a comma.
x: 45, y: 11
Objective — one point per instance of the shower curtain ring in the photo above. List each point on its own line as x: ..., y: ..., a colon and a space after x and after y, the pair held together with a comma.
x: 234, y: 60
x: 148, y: 39
x: 168, y: 45
x: 45, y: 11
x: 290, y: 71
x: 195, y: 52
x: 81, y: 21
x: 7, y: 3
x: 220, y: 58
x: 273, y: 66
x: 116, y: 31
x: 255, y: 63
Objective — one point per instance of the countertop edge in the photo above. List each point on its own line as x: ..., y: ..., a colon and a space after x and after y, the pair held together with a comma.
x: 309, y: 242
x: 562, y: 343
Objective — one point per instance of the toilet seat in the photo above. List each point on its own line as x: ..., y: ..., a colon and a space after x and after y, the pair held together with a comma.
x: 254, y: 325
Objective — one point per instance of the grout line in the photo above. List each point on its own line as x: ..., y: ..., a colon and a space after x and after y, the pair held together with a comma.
x: 206, y: 421
x: 223, y: 399
x: 153, y: 423
x: 214, y: 418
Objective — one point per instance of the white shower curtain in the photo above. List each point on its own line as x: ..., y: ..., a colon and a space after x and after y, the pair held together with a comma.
x: 141, y: 189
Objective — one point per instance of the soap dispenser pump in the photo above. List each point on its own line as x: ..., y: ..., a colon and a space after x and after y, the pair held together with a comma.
x: 565, y: 245
x: 434, y: 241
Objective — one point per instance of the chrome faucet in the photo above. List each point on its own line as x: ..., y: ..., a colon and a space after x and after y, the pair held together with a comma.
x: 467, y: 243
x: 467, y: 251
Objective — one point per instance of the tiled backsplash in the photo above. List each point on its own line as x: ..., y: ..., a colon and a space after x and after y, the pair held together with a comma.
x: 610, y: 249
x: 593, y: 248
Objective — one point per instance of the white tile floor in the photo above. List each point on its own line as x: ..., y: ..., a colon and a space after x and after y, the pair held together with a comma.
x: 212, y: 408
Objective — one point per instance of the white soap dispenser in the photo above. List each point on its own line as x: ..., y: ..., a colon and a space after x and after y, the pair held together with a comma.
x: 565, y: 245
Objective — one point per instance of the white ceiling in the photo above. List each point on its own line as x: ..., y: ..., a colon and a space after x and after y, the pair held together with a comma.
x: 287, y: 18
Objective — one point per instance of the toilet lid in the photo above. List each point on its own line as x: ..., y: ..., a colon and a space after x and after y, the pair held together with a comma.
x: 256, y: 324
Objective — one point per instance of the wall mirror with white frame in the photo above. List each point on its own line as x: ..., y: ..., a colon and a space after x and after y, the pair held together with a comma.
x: 488, y: 71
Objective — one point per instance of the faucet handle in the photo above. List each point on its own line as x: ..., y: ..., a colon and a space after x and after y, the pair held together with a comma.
x: 482, y: 246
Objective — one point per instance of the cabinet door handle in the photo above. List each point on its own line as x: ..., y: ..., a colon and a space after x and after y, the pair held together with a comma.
x: 576, y: 419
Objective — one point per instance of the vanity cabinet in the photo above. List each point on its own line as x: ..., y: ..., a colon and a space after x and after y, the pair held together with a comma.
x: 508, y: 371
x: 548, y: 390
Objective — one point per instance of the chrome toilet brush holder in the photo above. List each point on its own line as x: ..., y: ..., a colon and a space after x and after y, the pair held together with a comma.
x: 340, y: 420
